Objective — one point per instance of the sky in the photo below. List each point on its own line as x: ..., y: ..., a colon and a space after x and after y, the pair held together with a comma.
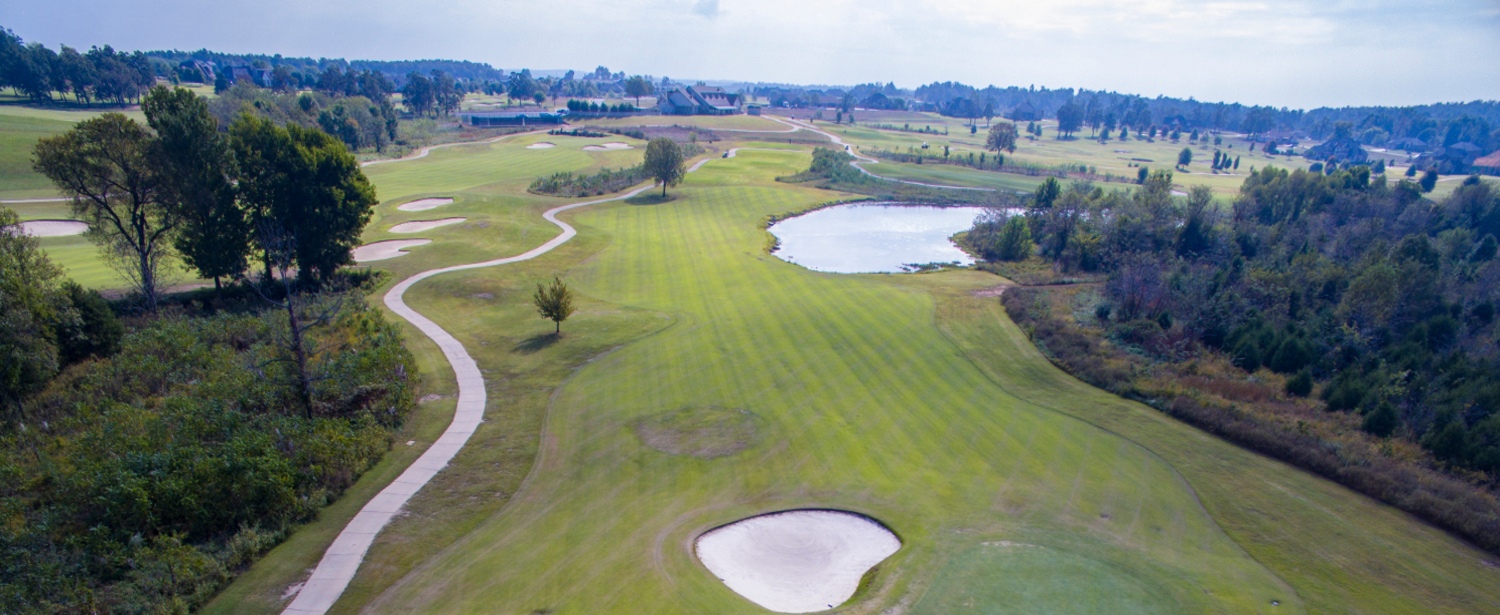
x: 1292, y: 53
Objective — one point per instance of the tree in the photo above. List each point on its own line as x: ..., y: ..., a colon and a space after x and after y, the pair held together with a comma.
x: 303, y: 184
x: 418, y: 94
x: 30, y: 304
x: 105, y: 165
x: 1259, y: 120
x: 1429, y: 180
x: 196, y: 170
x: 1185, y: 157
x: 1002, y: 137
x: 1015, y: 240
x: 554, y: 302
x: 521, y: 86
x: 1069, y: 118
x: 664, y: 162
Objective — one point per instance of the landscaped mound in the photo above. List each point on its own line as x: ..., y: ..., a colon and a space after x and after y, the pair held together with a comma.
x: 800, y: 561
x: 417, y: 226
x: 424, y: 204
x: 705, y: 433
x: 382, y: 250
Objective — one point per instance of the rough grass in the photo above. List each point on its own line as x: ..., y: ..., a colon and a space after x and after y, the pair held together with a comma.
x: 18, y: 135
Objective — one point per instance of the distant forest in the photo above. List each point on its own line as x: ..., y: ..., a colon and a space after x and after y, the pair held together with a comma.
x: 395, y: 71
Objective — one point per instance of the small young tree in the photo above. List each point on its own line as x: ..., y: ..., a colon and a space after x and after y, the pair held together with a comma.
x: 1185, y: 157
x: 554, y: 302
x: 1429, y: 180
x: 664, y: 162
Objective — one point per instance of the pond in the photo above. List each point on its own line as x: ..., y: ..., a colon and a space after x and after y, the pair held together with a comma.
x: 874, y: 237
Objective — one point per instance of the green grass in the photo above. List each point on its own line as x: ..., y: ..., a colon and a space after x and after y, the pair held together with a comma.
x: 952, y: 175
x: 862, y: 400
x: 18, y: 135
x: 1004, y: 577
x: 901, y: 397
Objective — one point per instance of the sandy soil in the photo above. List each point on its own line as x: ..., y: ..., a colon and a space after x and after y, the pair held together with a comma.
x: 604, y: 147
x: 800, y: 561
x: 424, y: 204
x: 542, y: 145
x: 382, y: 250
x: 417, y: 226
x: 53, y: 228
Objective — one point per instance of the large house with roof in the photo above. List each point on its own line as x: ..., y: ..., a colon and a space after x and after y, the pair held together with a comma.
x: 700, y: 100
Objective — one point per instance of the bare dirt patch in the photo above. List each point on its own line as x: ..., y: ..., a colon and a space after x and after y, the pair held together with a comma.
x: 705, y: 433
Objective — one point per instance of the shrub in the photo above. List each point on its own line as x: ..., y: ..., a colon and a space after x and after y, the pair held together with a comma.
x: 1300, y: 385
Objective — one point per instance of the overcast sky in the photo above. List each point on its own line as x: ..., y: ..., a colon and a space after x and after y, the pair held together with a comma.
x: 1297, y: 53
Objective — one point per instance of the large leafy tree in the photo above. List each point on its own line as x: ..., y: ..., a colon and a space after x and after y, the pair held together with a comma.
x: 664, y: 162
x: 106, y: 166
x: 1002, y: 137
x: 637, y: 87
x: 1069, y: 118
x: 197, y: 168
x: 302, y: 184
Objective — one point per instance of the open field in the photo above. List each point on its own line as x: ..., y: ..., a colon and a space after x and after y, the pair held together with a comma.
x: 863, y: 386
x: 1113, y: 156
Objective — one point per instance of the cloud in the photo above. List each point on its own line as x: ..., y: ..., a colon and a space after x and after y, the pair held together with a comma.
x: 707, y: 8
x: 1298, y: 53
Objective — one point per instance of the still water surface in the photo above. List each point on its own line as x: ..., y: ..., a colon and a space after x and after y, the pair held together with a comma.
x: 873, y: 238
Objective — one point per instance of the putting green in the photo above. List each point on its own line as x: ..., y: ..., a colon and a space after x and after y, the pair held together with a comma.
x: 999, y: 578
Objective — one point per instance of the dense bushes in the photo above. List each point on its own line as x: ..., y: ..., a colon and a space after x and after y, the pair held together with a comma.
x: 143, y: 482
x: 1127, y: 359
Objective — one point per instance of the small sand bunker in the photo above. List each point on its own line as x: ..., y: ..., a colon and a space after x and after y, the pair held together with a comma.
x: 542, y: 145
x: 705, y: 433
x: 417, y: 226
x: 53, y: 228
x: 382, y: 250
x: 424, y: 204
x: 800, y: 561
x: 604, y: 147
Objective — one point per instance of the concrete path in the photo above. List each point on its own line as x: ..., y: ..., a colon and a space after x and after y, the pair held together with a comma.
x: 343, y: 557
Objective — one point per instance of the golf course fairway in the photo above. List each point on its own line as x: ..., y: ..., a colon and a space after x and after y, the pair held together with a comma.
x: 905, y: 398
x: 865, y: 406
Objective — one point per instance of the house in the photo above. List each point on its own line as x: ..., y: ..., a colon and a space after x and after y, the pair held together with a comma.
x: 700, y: 100
x: 1456, y: 158
x: 1488, y: 165
x: 204, y: 70
x: 1024, y: 112
x: 257, y: 76
x: 1408, y: 144
x: 752, y: 109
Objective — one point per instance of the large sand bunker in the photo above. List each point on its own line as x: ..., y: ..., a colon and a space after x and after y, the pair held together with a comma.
x: 417, y: 226
x: 799, y: 561
x: 382, y: 250
x: 542, y: 145
x: 604, y: 147
x: 424, y: 204
x: 53, y: 228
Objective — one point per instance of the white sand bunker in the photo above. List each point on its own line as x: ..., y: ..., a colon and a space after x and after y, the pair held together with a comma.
x: 542, y: 145
x: 382, y: 250
x: 424, y: 204
x: 604, y: 147
x: 417, y: 226
x: 800, y: 561
x: 53, y: 228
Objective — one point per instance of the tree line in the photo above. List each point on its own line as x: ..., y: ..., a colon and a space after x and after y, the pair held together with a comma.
x: 181, y: 186
x: 100, y: 74
x: 1344, y: 288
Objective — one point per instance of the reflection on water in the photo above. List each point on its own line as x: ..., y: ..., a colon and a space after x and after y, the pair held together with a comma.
x: 873, y: 238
